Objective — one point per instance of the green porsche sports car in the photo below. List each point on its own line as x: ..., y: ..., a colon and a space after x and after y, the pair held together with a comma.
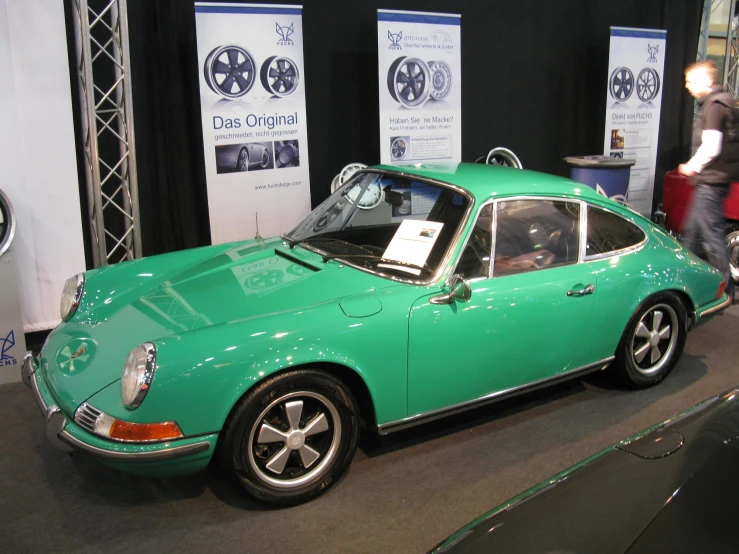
x: 412, y: 292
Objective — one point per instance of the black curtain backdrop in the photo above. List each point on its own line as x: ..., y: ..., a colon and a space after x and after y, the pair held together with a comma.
x: 534, y: 79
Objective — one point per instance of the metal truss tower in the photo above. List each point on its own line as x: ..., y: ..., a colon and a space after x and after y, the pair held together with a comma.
x: 731, y: 61
x: 101, y: 36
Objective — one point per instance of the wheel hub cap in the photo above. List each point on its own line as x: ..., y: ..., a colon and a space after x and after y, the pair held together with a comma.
x: 295, y: 437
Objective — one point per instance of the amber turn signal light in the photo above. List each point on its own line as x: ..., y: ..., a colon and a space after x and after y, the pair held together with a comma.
x: 721, y: 289
x: 125, y: 431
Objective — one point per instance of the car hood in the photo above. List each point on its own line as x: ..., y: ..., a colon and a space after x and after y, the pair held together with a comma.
x: 145, y: 300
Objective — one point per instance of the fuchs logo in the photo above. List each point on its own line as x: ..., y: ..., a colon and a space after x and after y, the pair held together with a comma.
x: 7, y: 343
x: 394, y: 40
x: 285, y: 33
x: 652, y: 53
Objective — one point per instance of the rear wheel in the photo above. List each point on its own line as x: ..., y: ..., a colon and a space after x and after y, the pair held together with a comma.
x: 291, y: 438
x: 652, y: 342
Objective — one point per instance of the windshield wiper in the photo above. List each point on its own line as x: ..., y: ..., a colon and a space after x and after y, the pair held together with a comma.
x: 377, y: 260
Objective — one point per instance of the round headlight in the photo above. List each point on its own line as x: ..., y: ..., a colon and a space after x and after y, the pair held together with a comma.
x: 137, y: 374
x: 71, y: 296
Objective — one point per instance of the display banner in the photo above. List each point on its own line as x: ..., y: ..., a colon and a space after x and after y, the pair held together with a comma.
x: 634, y: 99
x: 252, y: 100
x: 38, y: 167
x: 420, y: 86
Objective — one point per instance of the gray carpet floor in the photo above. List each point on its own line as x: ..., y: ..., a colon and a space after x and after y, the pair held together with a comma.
x: 403, y: 493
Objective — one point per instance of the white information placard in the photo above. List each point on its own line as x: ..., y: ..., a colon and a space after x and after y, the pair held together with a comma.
x: 252, y: 99
x: 420, y: 86
x: 634, y: 100
x: 412, y: 244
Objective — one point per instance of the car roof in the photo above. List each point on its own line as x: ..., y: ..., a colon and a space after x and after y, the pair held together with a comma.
x: 487, y: 181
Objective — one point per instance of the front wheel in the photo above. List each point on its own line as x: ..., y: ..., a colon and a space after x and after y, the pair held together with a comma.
x: 291, y: 438
x: 652, y: 342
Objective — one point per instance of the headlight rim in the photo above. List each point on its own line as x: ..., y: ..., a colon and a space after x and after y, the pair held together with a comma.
x: 76, y: 297
x: 143, y: 383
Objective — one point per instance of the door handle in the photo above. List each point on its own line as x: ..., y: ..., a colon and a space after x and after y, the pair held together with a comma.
x: 582, y: 292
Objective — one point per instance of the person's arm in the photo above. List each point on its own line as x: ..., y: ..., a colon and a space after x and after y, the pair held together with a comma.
x: 710, y: 148
x: 711, y: 139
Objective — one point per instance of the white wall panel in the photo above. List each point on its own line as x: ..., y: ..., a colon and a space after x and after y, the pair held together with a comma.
x: 38, y: 168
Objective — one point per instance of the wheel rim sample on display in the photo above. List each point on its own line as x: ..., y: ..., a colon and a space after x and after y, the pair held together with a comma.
x: 503, y: 156
x: 647, y: 84
x: 7, y: 223
x: 349, y: 170
x: 335, y: 183
x: 621, y: 83
x: 280, y: 76
x: 441, y: 79
x: 229, y: 71
x: 398, y: 148
x: 408, y: 81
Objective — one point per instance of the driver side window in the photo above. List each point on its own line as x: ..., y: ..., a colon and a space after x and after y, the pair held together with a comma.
x: 535, y: 234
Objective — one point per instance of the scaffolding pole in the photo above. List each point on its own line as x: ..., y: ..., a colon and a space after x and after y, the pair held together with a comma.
x: 103, y: 69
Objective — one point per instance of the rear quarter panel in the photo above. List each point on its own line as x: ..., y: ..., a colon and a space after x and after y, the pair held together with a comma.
x: 624, y: 282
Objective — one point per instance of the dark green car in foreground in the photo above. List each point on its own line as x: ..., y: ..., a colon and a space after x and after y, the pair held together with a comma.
x: 411, y: 293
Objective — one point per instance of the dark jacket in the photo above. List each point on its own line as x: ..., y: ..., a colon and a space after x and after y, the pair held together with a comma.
x: 718, y: 112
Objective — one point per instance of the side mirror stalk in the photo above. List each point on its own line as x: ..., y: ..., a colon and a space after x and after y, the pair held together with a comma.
x: 459, y: 290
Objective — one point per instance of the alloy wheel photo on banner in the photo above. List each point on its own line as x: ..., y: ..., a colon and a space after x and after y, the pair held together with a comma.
x: 633, y: 104
x: 419, y: 60
x: 252, y: 98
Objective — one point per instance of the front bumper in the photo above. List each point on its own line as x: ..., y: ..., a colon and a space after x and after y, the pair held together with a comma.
x: 67, y: 436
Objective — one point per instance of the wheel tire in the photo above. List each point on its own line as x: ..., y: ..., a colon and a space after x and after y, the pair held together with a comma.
x: 265, y: 159
x: 247, y: 445
x: 637, y: 362
x: 732, y: 242
x: 242, y: 163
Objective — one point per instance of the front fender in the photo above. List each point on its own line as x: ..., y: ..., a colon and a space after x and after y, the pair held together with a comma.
x: 202, y: 374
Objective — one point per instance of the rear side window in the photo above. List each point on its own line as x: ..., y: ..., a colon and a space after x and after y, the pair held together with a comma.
x: 608, y: 232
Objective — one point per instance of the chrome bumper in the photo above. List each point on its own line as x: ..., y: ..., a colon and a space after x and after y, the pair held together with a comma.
x: 56, y: 423
x: 715, y: 309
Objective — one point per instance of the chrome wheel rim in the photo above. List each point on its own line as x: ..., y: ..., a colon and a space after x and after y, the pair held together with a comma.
x: 230, y: 71
x: 732, y: 242
x: 622, y: 83
x: 265, y: 159
x: 654, y: 340
x: 647, y: 84
x: 441, y: 80
x: 294, y: 439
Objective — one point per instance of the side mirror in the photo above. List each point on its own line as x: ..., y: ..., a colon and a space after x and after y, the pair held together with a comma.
x: 459, y: 290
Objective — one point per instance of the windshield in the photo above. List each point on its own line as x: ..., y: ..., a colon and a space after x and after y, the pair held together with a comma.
x: 388, y: 224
